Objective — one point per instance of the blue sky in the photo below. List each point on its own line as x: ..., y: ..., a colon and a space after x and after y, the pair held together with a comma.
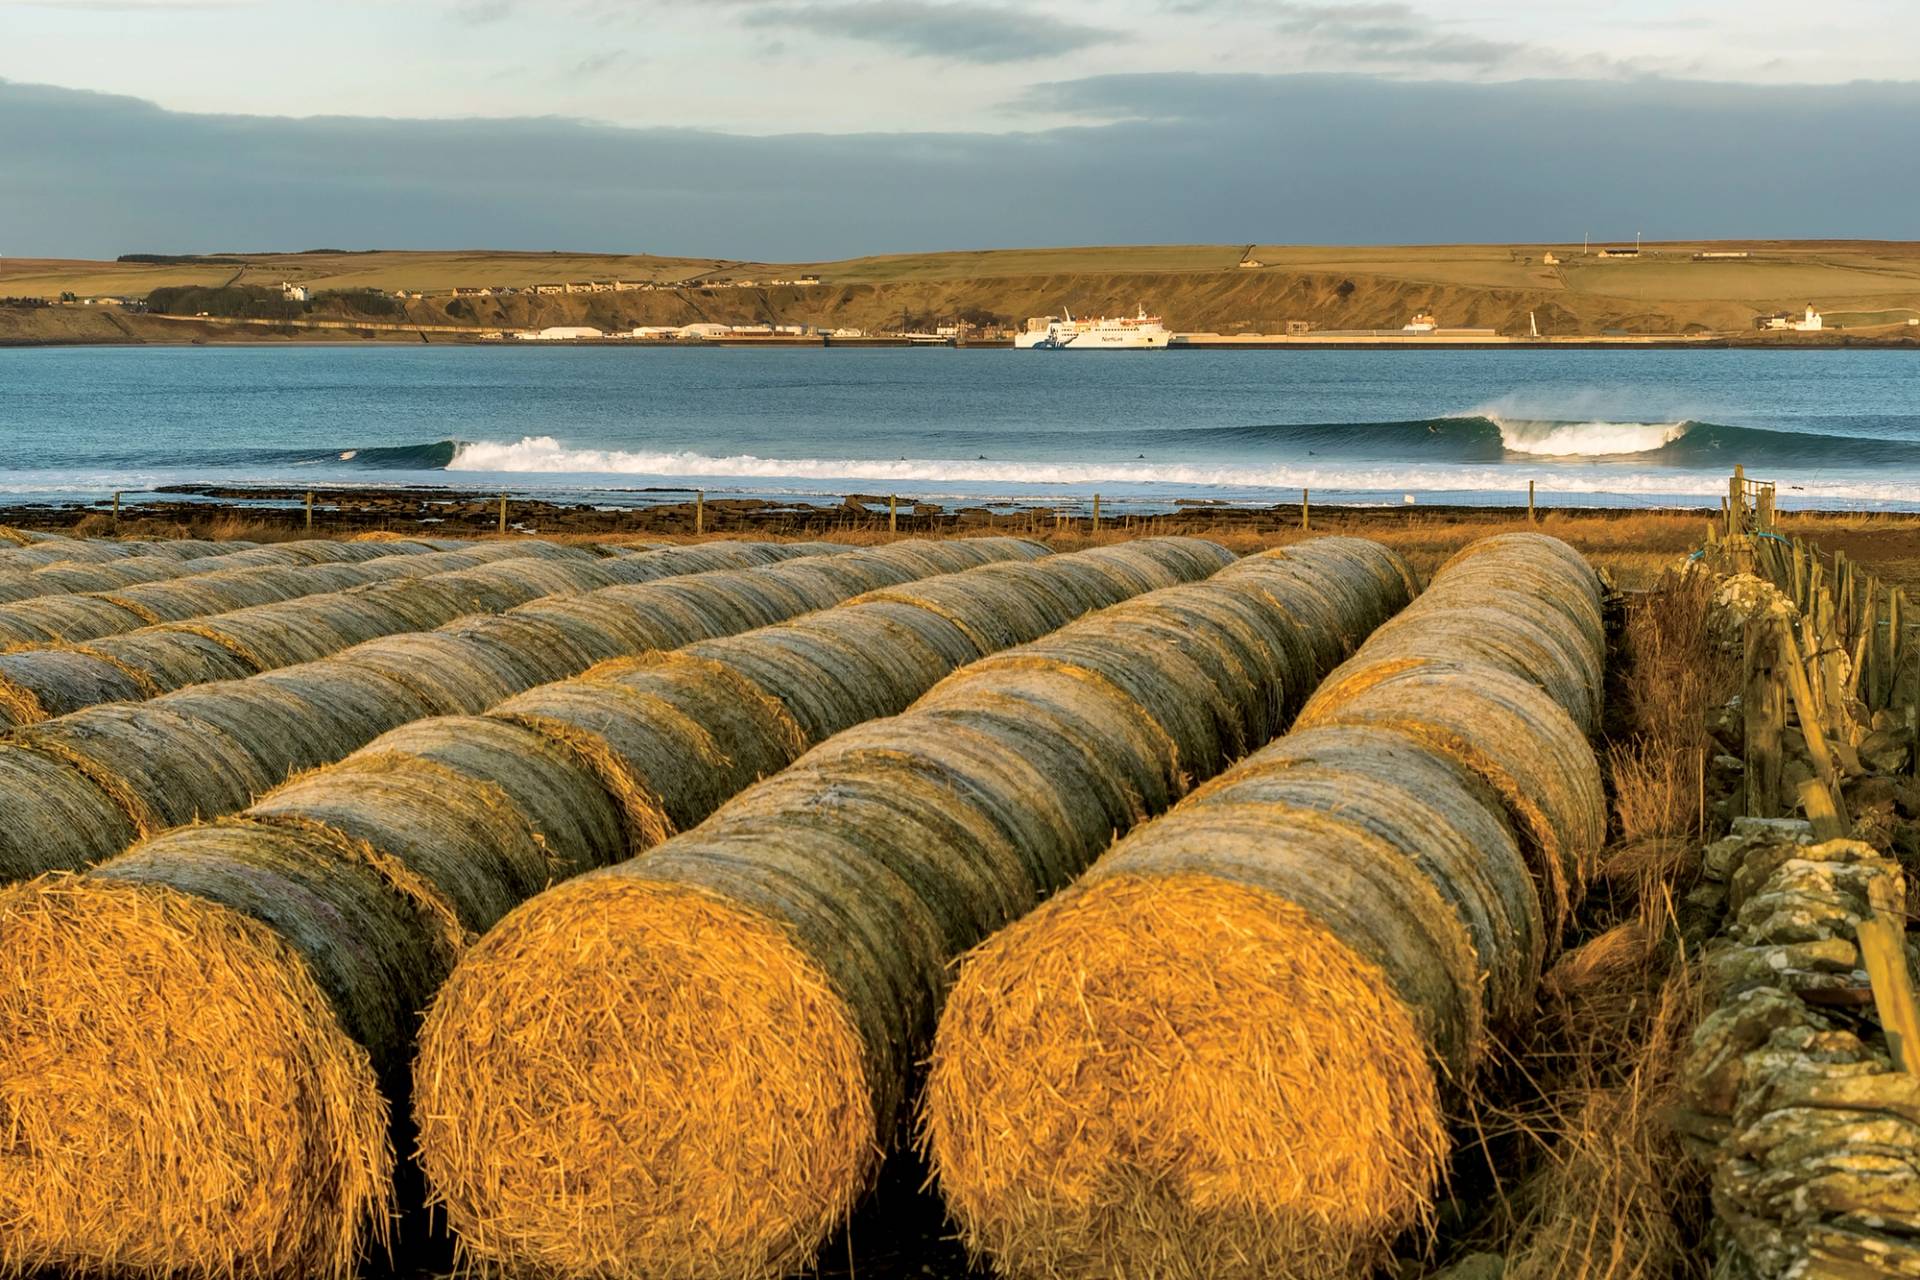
x: 803, y: 129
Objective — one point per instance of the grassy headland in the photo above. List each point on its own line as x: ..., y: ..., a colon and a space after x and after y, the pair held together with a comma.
x: 1866, y: 289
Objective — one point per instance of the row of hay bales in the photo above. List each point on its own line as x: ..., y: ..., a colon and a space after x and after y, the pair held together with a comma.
x: 83, y: 567
x: 1229, y: 1049
x: 692, y: 1064
x: 82, y: 786
x: 194, y: 630
x: 199, y: 1039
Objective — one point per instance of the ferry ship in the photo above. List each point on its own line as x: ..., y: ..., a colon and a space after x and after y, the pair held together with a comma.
x: 1122, y: 333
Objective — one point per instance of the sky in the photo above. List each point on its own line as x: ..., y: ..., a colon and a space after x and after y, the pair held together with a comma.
x: 811, y: 129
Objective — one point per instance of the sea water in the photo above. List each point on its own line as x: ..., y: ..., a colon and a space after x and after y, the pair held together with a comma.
x: 1146, y: 430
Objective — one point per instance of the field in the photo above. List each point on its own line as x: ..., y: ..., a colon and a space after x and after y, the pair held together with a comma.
x: 1872, y: 287
x: 1117, y: 902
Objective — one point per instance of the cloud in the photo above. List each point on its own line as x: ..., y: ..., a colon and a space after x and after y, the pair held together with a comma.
x: 1347, y: 159
x: 961, y: 32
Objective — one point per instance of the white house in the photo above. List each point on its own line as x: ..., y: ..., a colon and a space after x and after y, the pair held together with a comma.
x: 1422, y: 323
x: 294, y: 292
x: 703, y: 330
x: 1808, y: 323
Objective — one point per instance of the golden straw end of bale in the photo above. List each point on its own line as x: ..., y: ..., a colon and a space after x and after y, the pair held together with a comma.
x: 136, y: 1009
x: 1174, y: 1075
x: 672, y: 1089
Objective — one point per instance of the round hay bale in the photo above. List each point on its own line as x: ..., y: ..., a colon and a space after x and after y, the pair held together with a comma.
x: 1445, y: 822
x: 40, y: 683
x: 57, y: 820
x: 577, y: 820
x: 234, y: 998
x: 670, y: 737
x: 169, y: 660
x: 66, y: 619
x: 1245, y: 1157
x: 55, y: 578
x: 453, y: 674
x: 835, y: 669
x: 462, y: 836
x: 1507, y: 731
x: 163, y: 769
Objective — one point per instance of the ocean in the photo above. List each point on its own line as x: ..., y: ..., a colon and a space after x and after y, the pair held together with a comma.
x: 995, y: 427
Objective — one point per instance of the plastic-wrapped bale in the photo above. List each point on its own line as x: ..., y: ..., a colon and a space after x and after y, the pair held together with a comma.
x: 1317, y: 938
x: 41, y: 683
x: 777, y: 970
x: 386, y: 860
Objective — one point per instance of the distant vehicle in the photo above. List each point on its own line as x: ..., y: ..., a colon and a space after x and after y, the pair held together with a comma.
x: 1141, y: 332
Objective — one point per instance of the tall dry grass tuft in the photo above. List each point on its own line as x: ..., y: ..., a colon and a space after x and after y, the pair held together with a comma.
x: 1615, y: 1198
x: 1674, y: 675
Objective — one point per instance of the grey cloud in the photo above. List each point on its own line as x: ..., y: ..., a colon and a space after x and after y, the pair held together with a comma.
x: 960, y: 32
x: 1201, y: 159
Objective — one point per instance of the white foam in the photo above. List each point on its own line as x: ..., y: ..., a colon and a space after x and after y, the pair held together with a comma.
x: 1585, y: 439
x: 983, y: 479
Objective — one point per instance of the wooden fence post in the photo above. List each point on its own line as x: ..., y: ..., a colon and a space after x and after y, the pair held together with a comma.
x: 1096, y: 513
x: 116, y: 510
x: 1530, y: 519
x: 1737, y: 500
x: 1764, y: 704
x: 1883, y: 951
x: 503, y: 513
x: 309, y: 511
x: 699, y: 511
x: 893, y: 513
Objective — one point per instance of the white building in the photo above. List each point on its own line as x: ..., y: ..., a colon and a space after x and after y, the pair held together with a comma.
x: 294, y: 292
x: 703, y: 330
x: 1422, y: 323
x: 563, y: 333
x: 1808, y: 323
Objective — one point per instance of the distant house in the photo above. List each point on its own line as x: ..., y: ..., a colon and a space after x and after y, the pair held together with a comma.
x: 1550, y: 258
x: 1296, y: 328
x: 550, y: 288
x: 1249, y: 264
x: 1810, y: 322
x: 1423, y: 322
x: 806, y: 280
x: 1620, y: 253
x: 703, y: 330
x: 294, y: 292
x: 470, y: 291
x: 654, y: 332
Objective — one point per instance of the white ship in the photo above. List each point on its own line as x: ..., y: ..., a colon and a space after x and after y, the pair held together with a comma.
x: 1121, y: 333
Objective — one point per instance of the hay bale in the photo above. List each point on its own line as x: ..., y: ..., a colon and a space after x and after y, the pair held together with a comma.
x: 270, y: 980
x: 58, y: 578
x: 41, y: 683
x: 1508, y: 732
x: 810, y: 922
x: 162, y: 769
x: 577, y: 820
x: 1248, y: 1159
x: 56, y: 818
x: 169, y: 660
x: 64, y: 619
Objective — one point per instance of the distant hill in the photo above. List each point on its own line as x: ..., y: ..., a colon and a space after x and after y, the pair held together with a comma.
x: 1865, y: 286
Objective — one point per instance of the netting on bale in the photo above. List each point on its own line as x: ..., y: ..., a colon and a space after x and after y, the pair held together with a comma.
x: 777, y: 971
x: 389, y: 859
x: 1228, y: 1049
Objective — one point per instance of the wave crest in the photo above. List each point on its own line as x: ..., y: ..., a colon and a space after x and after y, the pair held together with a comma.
x: 1585, y: 439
